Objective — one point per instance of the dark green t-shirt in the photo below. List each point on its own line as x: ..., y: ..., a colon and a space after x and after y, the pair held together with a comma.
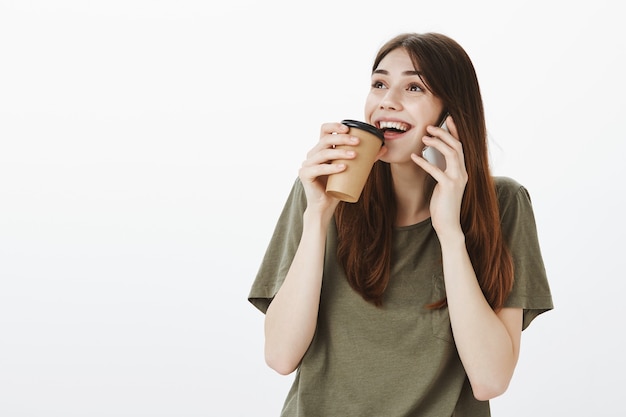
x: 399, y: 359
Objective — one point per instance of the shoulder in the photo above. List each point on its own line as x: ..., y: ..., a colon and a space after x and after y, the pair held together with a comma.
x: 513, y: 199
x: 510, y: 190
x: 507, y: 187
x: 297, y: 194
x: 294, y: 206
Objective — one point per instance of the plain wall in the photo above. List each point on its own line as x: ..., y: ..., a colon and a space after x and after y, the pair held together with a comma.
x: 147, y: 148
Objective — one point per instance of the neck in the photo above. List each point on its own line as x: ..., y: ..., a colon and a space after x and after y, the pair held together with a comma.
x: 412, y: 190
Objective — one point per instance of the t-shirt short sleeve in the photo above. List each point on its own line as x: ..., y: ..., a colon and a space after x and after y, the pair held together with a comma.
x: 281, y: 249
x: 531, y: 290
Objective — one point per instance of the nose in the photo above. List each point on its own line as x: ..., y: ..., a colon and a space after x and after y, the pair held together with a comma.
x: 390, y: 100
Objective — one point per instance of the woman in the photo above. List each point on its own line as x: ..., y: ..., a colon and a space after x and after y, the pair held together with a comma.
x: 410, y: 302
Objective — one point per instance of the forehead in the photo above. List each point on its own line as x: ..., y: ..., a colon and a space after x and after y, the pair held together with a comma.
x: 399, y: 61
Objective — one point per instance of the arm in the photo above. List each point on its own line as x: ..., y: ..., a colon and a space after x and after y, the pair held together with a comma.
x: 291, y: 318
x: 488, y: 342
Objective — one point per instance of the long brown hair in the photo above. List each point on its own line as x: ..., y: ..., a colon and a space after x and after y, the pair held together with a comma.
x: 365, y: 228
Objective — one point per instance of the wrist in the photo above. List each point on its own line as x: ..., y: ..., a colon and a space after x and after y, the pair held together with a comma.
x: 452, y: 239
x: 317, y: 218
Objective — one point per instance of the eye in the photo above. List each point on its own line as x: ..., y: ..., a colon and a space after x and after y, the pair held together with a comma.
x: 415, y: 87
x: 378, y: 84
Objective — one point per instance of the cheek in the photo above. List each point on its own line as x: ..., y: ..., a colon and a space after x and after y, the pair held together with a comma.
x: 400, y: 150
x: 370, y: 106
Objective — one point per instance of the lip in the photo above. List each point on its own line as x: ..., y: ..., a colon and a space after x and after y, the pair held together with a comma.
x: 392, y: 135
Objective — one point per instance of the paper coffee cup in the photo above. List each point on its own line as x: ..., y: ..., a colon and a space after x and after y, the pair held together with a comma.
x: 348, y: 184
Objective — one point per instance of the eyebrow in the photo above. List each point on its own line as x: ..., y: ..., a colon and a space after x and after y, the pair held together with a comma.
x: 408, y: 73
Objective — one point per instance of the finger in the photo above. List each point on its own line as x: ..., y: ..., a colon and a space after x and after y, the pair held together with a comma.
x: 433, y: 170
x: 452, y: 127
x: 332, y: 157
x: 327, y: 156
x: 443, y: 132
x: 333, y: 127
x: 453, y: 153
x: 332, y: 135
x: 311, y: 173
x: 327, y: 130
x: 332, y: 147
x: 440, y: 144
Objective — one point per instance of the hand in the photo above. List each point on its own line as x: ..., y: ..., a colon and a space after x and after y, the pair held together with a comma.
x: 445, y: 203
x: 318, y: 164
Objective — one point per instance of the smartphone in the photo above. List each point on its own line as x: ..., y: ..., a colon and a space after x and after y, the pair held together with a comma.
x: 431, y: 154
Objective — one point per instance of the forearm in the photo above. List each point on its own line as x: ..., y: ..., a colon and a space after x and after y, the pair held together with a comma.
x: 291, y: 318
x: 487, y: 348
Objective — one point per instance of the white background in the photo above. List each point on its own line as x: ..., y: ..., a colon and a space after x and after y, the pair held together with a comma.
x: 147, y: 147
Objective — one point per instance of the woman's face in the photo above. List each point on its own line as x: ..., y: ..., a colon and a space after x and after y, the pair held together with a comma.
x: 400, y: 104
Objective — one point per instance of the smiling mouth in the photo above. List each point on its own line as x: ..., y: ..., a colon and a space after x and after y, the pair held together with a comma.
x: 393, y: 127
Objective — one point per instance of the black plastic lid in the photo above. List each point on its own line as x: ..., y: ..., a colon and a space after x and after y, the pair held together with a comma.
x: 365, y: 126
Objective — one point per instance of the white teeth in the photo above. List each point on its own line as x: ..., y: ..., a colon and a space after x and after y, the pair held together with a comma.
x: 394, y: 125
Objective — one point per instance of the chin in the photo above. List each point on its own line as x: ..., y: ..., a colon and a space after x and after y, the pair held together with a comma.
x: 390, y: 158
x: 398, y: 155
